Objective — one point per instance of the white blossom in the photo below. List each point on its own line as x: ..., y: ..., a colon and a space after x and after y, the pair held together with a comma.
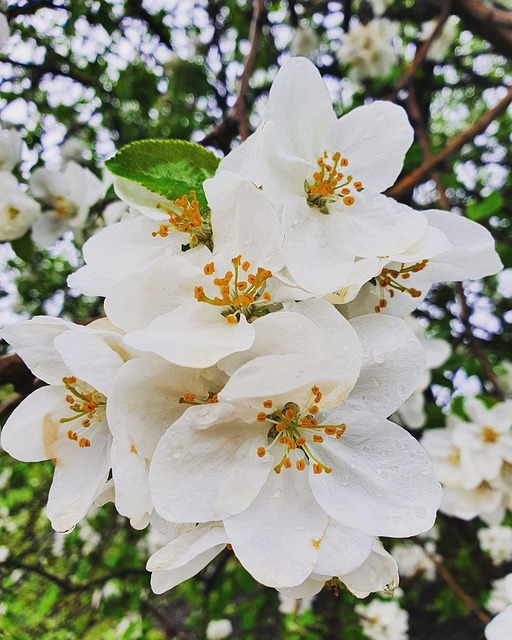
x: 499, y: 627
x: 10, y: 146
x: 442, y: 44
x: 18, y: 211
x: 368, y: 49
x: 384, y: 620
x: 218, y: 629
x: 497, y: 541
x: 68, y: 196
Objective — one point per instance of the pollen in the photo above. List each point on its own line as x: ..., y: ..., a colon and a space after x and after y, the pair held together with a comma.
x: 389, y: 281
x: 489, y: 435
x: 239, y: 292
x: 85, y: 405
x: 330, y: 184
x: 296, y: 432
x: 185, y: 218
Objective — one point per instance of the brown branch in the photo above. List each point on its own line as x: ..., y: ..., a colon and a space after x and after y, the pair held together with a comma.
x: 472, y: 342
x: 490, y: 23
x: 416, y: 176
x: 454, y: 586
x: 237, y: 114
x: 422, y: 50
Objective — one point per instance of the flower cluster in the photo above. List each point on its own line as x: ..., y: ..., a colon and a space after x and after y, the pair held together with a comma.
x: 499, y: 627
x: 237, y: 393
x: 473, y: 461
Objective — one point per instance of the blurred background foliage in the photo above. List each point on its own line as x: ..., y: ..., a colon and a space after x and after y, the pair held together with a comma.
x: 107, y: 72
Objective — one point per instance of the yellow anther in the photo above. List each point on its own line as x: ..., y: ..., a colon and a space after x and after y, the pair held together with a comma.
x: 314, y: 410
x: 300, y: 464
x: 317, y: 438
x: 329, y: 183
x: 133, y: 449
x: 246, y: 266
x: 261, y: 417
x: 267, y: 404
x: 389, y: 282
x: 84, y: 443
x: 209, y: 269
x: 231, y: 319
x: 261, y: 452
x: 287, y: 463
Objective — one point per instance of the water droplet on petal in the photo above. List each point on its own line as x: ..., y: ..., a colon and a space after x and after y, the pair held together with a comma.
x: 345, y: 481
x: 299, y: 527
x: 277, y: 493
x: 268, y: 527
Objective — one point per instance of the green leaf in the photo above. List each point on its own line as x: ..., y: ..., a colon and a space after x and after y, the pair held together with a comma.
x: 170, y: 168
x: 486, y: 207
x: 23, y: 247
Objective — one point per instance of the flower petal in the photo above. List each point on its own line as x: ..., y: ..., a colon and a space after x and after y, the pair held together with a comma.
x: 342, y: 550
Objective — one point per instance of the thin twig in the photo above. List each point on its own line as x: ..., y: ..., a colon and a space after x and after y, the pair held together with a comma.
x: 473, y: 345
x: 455, y: 144
x: 454, y: 586
x: 422, y: 51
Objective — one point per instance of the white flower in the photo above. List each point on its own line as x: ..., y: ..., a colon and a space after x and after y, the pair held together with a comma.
x: 4, y: 553
x: 497, y: 541
x: 443, y: 42
x: 499, y: 627
x: 326, y: 176
x: 72, y: 149
x: 498, y: 598
x: 384, y: 620
x: 485, y: 443
x: 412, y: 411
x: 10, y: 146
x: 452, y: 248
x: 412, y: 559
x: 368, y: 49
x: 17, y: 210
x: 5, y: 31
x: 281, y: 478
x: 194, y: 309
x: 218, y: 629
x: 297, y: 606
x: 66, y: 420
x: 69, y: 195
x: 304, y: 42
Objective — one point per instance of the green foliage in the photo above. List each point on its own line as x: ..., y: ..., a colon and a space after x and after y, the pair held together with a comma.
x: 170, y: 168
x: 492, y: 203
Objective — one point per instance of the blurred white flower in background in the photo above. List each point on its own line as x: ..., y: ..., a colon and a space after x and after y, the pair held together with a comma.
x: 218, y: 629
x: 18, y: 211
x: 368, y: 49
x: 500, y: 626
x: 442, y: 44
x: 10, y: 148
x: 497, y: 541
x: 382, y: 620
x: 304, y: 42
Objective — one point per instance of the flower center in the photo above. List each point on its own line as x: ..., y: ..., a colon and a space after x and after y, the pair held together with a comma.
x: 240, y: 294
x: 187, y: 220
x: 192, y: 399
x: 388, y: 281
x: 330, y: 183
x: 12, y: 212
x: 489, y: 435
x: 62, y: 208
x: 86, y: 406
x: 296, y: 429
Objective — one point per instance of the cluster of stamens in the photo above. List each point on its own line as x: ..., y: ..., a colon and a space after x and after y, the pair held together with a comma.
x: 290, y: 425
x: 192, y: 399
x: 12, y: 212
x: 188, y: 221
x: 239, y: 293
x: 388, y: 282
x: 62, y: 208
x: 330, y: 183
x: 84, y: 406
x: 489, y: 435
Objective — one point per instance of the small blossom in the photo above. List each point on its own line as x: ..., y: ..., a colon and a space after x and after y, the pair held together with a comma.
x: 382, y: 620
x: 218, y: 629
x: 497, y: 541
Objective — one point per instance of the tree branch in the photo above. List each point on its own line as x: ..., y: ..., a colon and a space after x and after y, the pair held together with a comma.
x: 490, y: 23
x: 455, y: 144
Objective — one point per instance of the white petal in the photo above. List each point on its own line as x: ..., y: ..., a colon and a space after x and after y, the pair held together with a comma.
x: 244, y: 221
x: 279, y: 333
x: 193, y: 335
x: 342, y: 550
x: 302, y: 128
x: 89, y: 283
x: 128, y: 246
x: 393, y: 363
x: 185, y: 556
x: 143, y: 296
x: 374, y: 574
x: 142, y: 199
x: 500, y: 626
x: 375, y: 139
x: 78, y: 477
x: 285, y: 378
x: 206, y: 466
x: 89, y: 358
x: 381, y: 481
x: 278, y: 536
x: 130, y: 472
x: 33, y: 429
x: 33, y: 341
x: 472, y: 254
